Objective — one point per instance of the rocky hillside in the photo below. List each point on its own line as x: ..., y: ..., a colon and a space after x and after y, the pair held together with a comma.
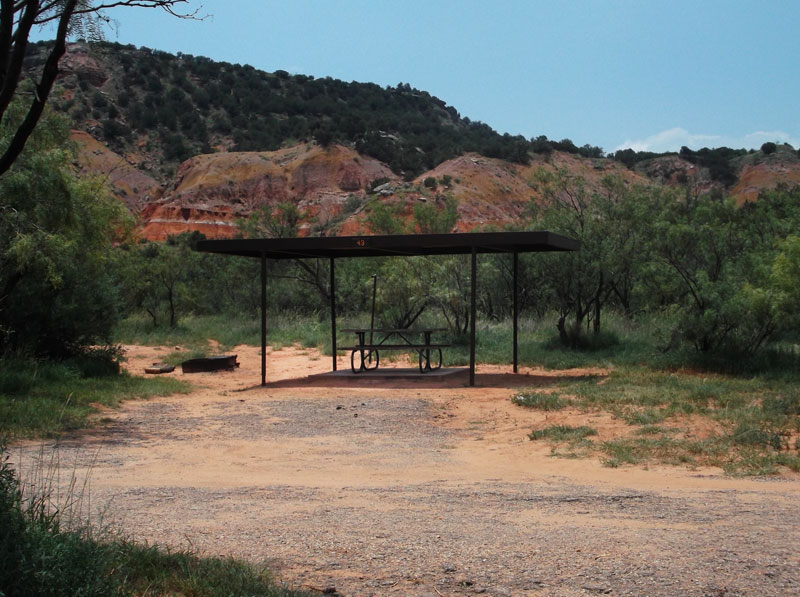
x: 192, y: 144
x: 211, y: 192
x: 335, y: 189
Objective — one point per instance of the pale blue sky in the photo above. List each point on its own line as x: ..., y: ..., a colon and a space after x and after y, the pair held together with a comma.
x: 651, y: 75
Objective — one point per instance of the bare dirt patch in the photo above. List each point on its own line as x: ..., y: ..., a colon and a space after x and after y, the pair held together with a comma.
x: 418, y: 489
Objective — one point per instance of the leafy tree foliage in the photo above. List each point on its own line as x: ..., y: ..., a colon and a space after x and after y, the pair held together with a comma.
x: 630, y: 158
x: 268, y: 222
x: 158, y: 278
x: 718, y: 161
x: 438, y: 217
x: 17, y: 19
x: 583, y: 282
x: 785, y: 281
x: 768, y: 148
x: 712, y: 266
x: 386, y: 218
x: 57, y: 292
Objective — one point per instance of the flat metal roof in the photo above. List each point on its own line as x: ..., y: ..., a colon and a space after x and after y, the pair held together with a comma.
x: 391, y: 245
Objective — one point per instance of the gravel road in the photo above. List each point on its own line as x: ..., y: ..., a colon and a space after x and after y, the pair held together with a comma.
x: 381, y: 491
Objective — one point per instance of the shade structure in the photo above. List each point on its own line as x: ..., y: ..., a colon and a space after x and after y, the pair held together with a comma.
x: 401, y: 245
x: 391, y: 245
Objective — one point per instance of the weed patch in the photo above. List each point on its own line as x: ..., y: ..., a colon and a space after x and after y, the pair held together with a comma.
x: 755, y: 418
x: 44, y: 399
x: 562, y: 433
x: 540, y: 401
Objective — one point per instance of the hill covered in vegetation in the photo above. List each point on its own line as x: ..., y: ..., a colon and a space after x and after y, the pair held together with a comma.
x: 170, y: 108
x: 143, y: 118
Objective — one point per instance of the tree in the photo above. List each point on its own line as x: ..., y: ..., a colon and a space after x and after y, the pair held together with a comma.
x: 711, y: 261
x: 785, y: 280
x: 56, y: 232
x: 436, y: 219
x: 384, y: 218
x: 581, y: 281
x: 17, y: 19
x: 157, y: 278
x: 768, y: 148
x: 283, y: 222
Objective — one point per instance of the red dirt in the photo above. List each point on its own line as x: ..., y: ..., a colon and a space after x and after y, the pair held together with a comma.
x: 408, y: 488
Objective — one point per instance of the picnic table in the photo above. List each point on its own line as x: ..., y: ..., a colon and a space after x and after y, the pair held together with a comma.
x: 365, y: 354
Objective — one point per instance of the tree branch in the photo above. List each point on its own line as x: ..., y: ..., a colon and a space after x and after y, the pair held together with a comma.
x: 17, y: 17
x: 47, y: 15
x: 6, y: 34
x: 49, y: 75
x: 16, y: 55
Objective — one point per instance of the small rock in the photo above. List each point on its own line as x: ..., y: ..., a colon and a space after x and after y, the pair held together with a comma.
x: 448, y: 568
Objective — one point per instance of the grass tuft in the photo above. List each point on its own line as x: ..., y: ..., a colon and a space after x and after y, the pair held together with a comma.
x: 562, y: 433
x: 540, y: 401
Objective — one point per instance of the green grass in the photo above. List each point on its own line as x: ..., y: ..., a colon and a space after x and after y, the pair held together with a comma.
x: 41, y: 553
x: 756, y: 417
x: 540, y: 400
x: 194, y: 332
x: 653, y: 430
x: 567, y: 441
x: 562, y: 433
x: 154, y: 570
x: 191, y: 332
x: 625, y: 342
x: 44, y: 399
x: 664, y: 450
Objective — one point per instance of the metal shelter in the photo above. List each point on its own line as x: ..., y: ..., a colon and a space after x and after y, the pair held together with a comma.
x: 404, y: 245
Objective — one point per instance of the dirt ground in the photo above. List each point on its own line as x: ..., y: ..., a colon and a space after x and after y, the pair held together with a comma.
x: 420, y: 488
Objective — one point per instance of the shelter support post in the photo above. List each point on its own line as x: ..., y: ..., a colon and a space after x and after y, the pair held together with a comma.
x: 515, y: 307
x: 263, y: 320
x: 333, y: 313
x: 473, y: 315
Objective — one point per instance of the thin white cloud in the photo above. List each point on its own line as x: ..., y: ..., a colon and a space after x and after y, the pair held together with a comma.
x: 675, y: 138
x: 758, y: 138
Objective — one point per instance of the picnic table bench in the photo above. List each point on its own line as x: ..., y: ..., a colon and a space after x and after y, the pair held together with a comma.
x: 367, y: 351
